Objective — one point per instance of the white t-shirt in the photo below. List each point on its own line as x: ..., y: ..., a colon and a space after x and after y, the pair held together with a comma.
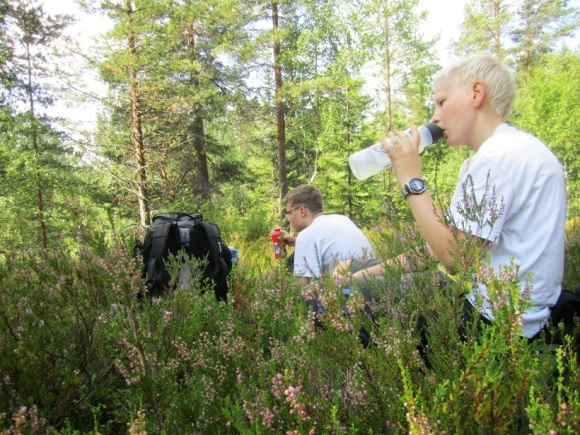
x: 519, y: 186
x: 329, y: 240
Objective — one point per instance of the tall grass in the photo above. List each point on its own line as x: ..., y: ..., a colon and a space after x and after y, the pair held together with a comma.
x: 80, y: 354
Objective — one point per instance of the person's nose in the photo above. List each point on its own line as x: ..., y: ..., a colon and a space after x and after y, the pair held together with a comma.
x: 435, y: 118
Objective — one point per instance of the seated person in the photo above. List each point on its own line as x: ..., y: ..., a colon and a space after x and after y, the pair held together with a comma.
x: 323, y: 240
x: 510, y: 199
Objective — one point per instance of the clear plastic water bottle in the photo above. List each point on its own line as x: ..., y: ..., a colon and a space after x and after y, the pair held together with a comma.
x: 371, y: 160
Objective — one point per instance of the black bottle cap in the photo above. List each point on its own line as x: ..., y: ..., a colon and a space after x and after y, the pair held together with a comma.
x: 435, y: 130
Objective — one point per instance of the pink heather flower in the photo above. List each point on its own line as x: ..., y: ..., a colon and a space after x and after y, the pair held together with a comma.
x: 249, y: 413
x: 277, y: 386
x: 308, y: 293
x: 268, y: 417
x: 298, y: 408
x: 291, y: 394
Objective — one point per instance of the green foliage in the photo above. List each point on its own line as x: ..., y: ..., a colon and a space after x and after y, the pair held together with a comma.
x: 572, y: 255
x: 340, y: 137
x: 79, y: 353
x: 391, y: 39
x: 566, y: 414
x: 484, y: 26
x: 52, y: 170
x: 55, y: 308
x: 39, y: 180
x: 547, y: 107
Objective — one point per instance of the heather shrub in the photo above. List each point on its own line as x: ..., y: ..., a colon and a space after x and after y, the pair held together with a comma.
x: 80, y: 352
x: 556, y: 408
x: 572, y: 269
x: 54, y: 307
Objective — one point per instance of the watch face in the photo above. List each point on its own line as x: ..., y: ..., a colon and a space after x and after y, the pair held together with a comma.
x: 416, y: 185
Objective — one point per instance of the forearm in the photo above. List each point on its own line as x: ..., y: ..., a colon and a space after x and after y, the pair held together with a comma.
x: 302, y: 280
x: 443, y: 240
x: 376, y: 270
x: 400, y: 261
x: 430, y: 220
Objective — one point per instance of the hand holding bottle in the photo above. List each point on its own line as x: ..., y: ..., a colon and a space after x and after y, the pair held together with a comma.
x: 281, y: 238
x: 371, y: 160
x: 402, y: 150
x: 287, y: 239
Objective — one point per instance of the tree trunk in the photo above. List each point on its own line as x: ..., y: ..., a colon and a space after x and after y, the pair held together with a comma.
x: 197, y: 130
x: 137, y: 131
x: 37, y: 175
x: 200, y: 152
x: 498, y: 27
x: 280, y: 110
x: 387, y: 66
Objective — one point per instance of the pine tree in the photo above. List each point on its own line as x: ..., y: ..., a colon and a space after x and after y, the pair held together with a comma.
x: 485, y: 28
x: 33, y: 150
x: 179, y: 74
x: 403, y: 56
x: 541, y: 25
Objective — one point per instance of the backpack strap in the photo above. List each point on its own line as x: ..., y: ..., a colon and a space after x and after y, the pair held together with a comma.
x: 158, y: 247
x: 216, y: 249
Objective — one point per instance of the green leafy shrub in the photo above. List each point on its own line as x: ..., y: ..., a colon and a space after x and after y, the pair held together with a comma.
x: 572, y: 267
x: 54, y: 309
x: 80, y: 353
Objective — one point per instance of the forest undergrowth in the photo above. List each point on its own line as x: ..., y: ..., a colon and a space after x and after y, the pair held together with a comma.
x: 79, y: 353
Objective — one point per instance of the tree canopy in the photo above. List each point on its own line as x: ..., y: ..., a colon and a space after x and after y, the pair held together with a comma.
x: 224, y: 105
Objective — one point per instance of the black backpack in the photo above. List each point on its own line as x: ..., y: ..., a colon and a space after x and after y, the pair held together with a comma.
x: 173, y: 232
x: 567, y: 312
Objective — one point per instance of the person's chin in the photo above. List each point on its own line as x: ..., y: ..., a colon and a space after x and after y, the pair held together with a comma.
x: 451, y: 142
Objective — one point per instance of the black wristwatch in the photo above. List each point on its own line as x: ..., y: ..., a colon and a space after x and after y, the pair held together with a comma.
x: 415, y: 186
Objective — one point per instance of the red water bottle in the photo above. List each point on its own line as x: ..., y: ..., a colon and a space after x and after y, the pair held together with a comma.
x: 277, y: 243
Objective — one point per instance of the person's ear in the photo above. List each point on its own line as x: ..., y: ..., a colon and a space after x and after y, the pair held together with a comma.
x: 478, y: 93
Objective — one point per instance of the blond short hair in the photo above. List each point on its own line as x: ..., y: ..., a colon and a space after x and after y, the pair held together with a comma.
x: 498, y: 79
